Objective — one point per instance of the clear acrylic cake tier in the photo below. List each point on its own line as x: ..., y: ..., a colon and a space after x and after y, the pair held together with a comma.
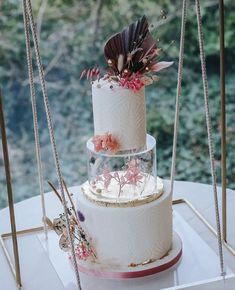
x: 124, y: 176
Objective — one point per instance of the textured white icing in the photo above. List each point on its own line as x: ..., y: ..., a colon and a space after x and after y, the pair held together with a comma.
x: 130, y: 234
x: 121, y: 112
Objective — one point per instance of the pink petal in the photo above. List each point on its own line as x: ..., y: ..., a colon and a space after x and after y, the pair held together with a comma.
x: 161, y: 65
x: 83, y: 73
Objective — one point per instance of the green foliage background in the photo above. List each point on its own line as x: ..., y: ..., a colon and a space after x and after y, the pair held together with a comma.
x: 72, y: 36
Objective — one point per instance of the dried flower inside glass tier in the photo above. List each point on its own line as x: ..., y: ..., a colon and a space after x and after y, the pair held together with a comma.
x: 131, y: 176
x: 131, y: 55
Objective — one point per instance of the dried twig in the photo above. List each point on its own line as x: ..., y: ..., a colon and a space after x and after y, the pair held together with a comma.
x: 54, y: 189
x: 69, y: 196
x: 74, y: 214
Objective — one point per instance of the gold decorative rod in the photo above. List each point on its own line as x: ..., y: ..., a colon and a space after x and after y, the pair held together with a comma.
x: 223, y: 121
x: 10, y: 193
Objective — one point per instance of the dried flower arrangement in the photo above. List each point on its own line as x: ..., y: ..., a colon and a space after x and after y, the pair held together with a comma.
x: 82, y: 243
x: 132, y: 57
x: 131, y: 176
x: 105, y: 143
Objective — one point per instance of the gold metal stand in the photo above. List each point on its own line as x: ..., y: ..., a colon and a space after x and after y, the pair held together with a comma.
x: 5, y: 236
x: 10, y: 196
x: 175, y: 202
x: 230, y: 248
x: 223, y: 122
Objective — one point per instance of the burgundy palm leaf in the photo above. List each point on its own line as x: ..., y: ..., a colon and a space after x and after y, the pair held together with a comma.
x: 136, y: 47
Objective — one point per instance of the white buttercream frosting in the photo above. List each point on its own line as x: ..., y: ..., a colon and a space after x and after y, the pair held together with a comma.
x: 127, y: 235
x: 121, y: 112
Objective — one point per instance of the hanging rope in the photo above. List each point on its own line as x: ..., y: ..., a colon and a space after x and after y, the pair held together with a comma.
x: 27, y: 6
x: 210, y: 139
x: 208, y: 119
x: 178, y: 92
x: 35, y: 118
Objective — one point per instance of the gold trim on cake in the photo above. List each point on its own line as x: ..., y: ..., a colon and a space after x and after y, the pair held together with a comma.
x: 149, y: 261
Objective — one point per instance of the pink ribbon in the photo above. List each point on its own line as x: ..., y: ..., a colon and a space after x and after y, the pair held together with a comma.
x: 131, y: 274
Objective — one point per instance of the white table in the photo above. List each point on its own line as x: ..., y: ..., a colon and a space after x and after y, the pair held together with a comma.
x: 28, y: 214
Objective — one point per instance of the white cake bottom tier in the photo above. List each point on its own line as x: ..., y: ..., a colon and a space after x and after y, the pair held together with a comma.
x: 126, y: 235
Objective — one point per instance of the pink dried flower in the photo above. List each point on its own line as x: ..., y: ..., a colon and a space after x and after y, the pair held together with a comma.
x: 83, y: 252
x: 133, y: 174
x: 107, y: 177
x: 132, y: 82
x: 133, y: 164
x: 97, y: 141
x: 106, y: 142
x: 90, y: 73
x: 110, y: 143
x: 160, y: 65
x: 133, y: 178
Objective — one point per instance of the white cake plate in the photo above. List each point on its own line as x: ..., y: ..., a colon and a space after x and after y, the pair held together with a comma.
x: 109, y: 272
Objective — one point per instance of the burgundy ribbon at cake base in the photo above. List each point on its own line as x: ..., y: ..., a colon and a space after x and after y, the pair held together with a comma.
x: 131, y: 274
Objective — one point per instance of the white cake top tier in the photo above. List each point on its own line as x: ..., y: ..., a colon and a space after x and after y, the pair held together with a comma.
x: 121, y: 112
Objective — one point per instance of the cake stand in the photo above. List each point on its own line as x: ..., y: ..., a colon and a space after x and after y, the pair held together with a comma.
x: 45, y: 266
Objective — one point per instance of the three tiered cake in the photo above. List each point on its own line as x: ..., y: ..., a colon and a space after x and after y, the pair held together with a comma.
x: 127, y: 210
